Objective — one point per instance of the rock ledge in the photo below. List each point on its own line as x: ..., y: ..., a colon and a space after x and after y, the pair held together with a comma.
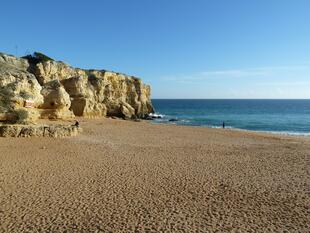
x: 54, y: 131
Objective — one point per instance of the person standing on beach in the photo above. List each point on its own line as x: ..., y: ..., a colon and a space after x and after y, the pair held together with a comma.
x: 77, y: 124
x: 223, y: 124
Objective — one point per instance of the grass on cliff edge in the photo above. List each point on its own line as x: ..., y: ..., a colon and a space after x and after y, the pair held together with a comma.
x: 37, y: 57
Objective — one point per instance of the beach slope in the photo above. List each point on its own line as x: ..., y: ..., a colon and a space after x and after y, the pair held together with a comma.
x: 121, y: 176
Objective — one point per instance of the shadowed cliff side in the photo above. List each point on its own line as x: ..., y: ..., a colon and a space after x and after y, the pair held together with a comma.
x: 36, y: 86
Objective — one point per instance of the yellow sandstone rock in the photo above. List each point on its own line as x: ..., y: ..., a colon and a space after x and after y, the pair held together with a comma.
x: 39, y: 87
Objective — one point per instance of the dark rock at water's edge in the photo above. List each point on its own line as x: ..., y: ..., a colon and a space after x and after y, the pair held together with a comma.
x: 36, y: 86
x: 173, y: 120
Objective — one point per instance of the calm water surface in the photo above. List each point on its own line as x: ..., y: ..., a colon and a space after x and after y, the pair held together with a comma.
x: 278, y: 116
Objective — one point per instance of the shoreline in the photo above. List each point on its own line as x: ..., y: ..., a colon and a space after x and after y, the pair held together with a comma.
x: 153, y: 122
x: 280, y: 133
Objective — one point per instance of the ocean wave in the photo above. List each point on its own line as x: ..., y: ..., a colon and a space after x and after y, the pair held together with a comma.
x: 219, y: 127
x: 288, y: 133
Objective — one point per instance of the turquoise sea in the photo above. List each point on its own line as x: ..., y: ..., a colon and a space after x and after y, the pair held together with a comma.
x: 276, y: 116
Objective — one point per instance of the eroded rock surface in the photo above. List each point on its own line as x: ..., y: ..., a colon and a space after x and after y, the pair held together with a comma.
x: 54, y: 131
x: 39, y: 87
x: 16, y: 87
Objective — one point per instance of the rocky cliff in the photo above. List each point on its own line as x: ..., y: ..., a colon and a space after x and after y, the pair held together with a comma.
x: 36, y: 87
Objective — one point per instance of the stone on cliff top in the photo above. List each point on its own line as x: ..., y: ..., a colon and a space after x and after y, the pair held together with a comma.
x: 14, y: 62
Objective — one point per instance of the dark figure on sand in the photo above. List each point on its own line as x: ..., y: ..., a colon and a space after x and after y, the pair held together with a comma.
x: 223, y: 124
x: 77, y: 124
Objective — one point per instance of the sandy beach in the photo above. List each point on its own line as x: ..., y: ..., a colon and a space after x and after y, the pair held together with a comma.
x: 122, y: 176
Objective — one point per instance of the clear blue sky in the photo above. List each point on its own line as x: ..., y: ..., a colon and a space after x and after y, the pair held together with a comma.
x: 183, y: 48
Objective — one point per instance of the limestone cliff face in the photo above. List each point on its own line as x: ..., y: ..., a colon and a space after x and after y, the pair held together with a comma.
x: 58, y: 91
x: 16, y: 86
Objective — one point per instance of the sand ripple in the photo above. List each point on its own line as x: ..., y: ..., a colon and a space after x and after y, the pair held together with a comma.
x: 135, y: 177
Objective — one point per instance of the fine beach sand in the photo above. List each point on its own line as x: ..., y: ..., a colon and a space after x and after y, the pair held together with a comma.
x: 121, y: 176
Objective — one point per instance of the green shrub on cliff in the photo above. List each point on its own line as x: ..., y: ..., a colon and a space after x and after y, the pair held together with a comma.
x: 37, y: 57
